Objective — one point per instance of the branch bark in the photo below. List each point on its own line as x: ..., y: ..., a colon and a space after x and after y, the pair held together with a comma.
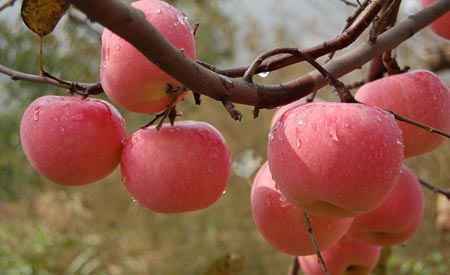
x: 131, y: 25
x: 82, y: 88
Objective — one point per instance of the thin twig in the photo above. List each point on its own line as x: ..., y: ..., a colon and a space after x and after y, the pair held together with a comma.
x: 231, y: 109
x: 419, y: 125
x: 435, y: 189
x: 7, y: 4
x: 83, y: 88
x: 312, y: 237
x: 349, y: 3
x: 295, y: 267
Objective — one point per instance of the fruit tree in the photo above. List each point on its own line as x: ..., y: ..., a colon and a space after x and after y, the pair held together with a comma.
x: 334, y: 192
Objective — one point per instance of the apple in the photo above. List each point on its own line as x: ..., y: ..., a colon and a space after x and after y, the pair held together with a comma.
x: 419, y: 95
x: 347, y: 257
x: 283, y: 109
x: 176, y: 169
x: 282, y: 224
x: 128, y: 78
x: 397, y: 218
x: 335, y: 159
x: 70, y: 140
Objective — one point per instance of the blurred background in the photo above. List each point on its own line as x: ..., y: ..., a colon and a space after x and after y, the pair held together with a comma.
x: 98, y: 229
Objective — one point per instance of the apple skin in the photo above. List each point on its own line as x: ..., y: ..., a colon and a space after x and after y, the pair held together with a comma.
x: 441, y: 26
x: 398, y: 217
x: 282, y: 224
x: 128, y: 78
x: 179, y: 168
x: 335, y: 159
x: 419, y: 95
x: 347, y: 257
x: 70, y: 140
x: 281, y: 110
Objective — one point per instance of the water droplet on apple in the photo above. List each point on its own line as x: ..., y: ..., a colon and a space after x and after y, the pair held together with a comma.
x: 36, y: 113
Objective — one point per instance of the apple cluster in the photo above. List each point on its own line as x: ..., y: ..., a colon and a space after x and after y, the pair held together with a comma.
x: 341, y: 163
x: 76, y: 141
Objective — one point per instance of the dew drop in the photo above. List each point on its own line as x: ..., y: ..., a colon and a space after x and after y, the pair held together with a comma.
x: 36, y: 113
x: 264, y: 74
x: 158, y: 11
x: 224, y: 192
x: 298, y: 143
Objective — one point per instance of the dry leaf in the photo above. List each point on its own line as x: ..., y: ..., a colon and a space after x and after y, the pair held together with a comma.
x: 41, y: 16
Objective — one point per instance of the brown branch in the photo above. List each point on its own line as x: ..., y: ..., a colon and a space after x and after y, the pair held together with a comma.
x: 131, y: 25
x: 312, y: 237
x: 79, y: 18
x: 295, y: 267
x: 419, y: 125
x: 353, y: 30
x: 435, y: 189
x: 7, y: 4
x: 80, y: 88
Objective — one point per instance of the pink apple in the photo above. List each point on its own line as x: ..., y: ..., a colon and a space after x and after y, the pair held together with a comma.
x: 128, y: 78
x: 281, y: 110
x: 398, y: 217
x: 442, y: 25
x: 179, y: 168
x: 335, y: 159
x: 347, y: 257
x: 72, y: 141
x: 282, y: 223
x: 419, y: 95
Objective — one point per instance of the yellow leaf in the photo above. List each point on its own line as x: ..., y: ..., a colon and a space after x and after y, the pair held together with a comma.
x: 41, y: 16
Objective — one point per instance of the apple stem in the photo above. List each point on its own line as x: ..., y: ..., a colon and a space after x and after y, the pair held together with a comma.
x: 435, y: 189
x: 312, y: 237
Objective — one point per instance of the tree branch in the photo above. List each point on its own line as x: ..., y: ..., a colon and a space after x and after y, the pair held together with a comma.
x: 435, y: 189
x: 356, y: 24
x: 7, y: 4
x: 131, y: 25
x: 80, y: 88
x: 312, y: 237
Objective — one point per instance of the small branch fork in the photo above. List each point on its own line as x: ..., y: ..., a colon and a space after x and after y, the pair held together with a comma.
x: 362, y: 18
x: 435, y: 189
x: 83, y: 89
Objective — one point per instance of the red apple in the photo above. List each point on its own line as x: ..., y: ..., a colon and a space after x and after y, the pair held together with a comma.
x: 335, y: 159
x: 282, y: 223
x: 179, y: 168
x: 72, y: 141
x: 441, y: 26
x: 419, y: 95
x: 347, y: 257
x: 397, y: 219
x: 128, y: 78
